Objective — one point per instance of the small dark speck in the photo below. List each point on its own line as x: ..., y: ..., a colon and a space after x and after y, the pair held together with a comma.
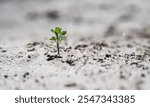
x: 70, y: 62
x: 122, y: 77
x: 45, y: 53
x: 134, y: 63
x: 29, y: 56
x: 42, y: 77
x: 15, y: 75
x: 84, y: 55
x: 29, y: 45
x: 62, y: 61
x: 6, y: 76
x: 81, y: 46
x: 94, y: 59
x: 100, y: 60
x: 129, y: 46
x: 30, y: 49
x: 26, y: 74
x: 4, y: 50
x: 108, y: 55
x: 142, y: 75
x: 52, y: 57
x: 71, y: 85
x: 119, y: 55
x: 52, y: 14
x: 36, y: 80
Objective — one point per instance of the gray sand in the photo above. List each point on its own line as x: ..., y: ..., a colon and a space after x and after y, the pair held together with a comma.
x: 107, y: 44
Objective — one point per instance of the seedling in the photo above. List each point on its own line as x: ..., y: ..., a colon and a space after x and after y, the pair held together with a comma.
x: 59, y: 36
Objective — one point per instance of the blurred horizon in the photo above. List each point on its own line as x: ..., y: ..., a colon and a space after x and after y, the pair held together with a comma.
x: 27, y: 20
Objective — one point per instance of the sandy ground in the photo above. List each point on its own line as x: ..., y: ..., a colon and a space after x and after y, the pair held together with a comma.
x: 107, y: 44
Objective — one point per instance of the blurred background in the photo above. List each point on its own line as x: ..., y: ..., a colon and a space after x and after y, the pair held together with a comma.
x: 22, y: 21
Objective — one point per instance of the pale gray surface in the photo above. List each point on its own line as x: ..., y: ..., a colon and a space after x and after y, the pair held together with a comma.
x: 112, y: 39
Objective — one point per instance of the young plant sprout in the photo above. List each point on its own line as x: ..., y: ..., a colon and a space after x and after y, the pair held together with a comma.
x: 59, y: 36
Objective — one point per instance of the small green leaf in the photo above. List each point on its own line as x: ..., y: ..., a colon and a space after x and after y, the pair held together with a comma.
x: 61, y: 37
x: 52, y: 31
x: 53, y: 38
x: 63, y: 32
x: 58, y: 30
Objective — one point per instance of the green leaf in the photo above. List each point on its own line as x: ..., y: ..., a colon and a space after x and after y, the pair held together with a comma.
x: 58, y: 30
x: 53, y: 38
x: 63, y: 32
x: 61, y: 37
x: 52, y: 31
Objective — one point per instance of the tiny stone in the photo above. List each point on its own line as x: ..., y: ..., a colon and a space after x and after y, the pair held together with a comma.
x: 42, y: 77
x: 70, y: 62
x: 6, y: 76
x: 142, y: 75
x: 31, y: 49
x: 45, y: 53
x: 26, y: 74
x: 15, y: 75
x: 29, y: 56
x: 122, y: 77
x: 37, y: 81
x: 129, y: 46
x: 4, y: 50
x: 71, y: 85
x: 108, y: 55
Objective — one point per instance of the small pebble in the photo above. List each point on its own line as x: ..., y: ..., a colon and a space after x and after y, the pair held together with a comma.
x: 142, y: 75
x: 71, y: 85
x: 6, y: 76
x: 107, y: 55
x: 29, y: 56
x: 4, y: 50
x: 30, y: 49
x: 26, y: 74
x: 36, y: 80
